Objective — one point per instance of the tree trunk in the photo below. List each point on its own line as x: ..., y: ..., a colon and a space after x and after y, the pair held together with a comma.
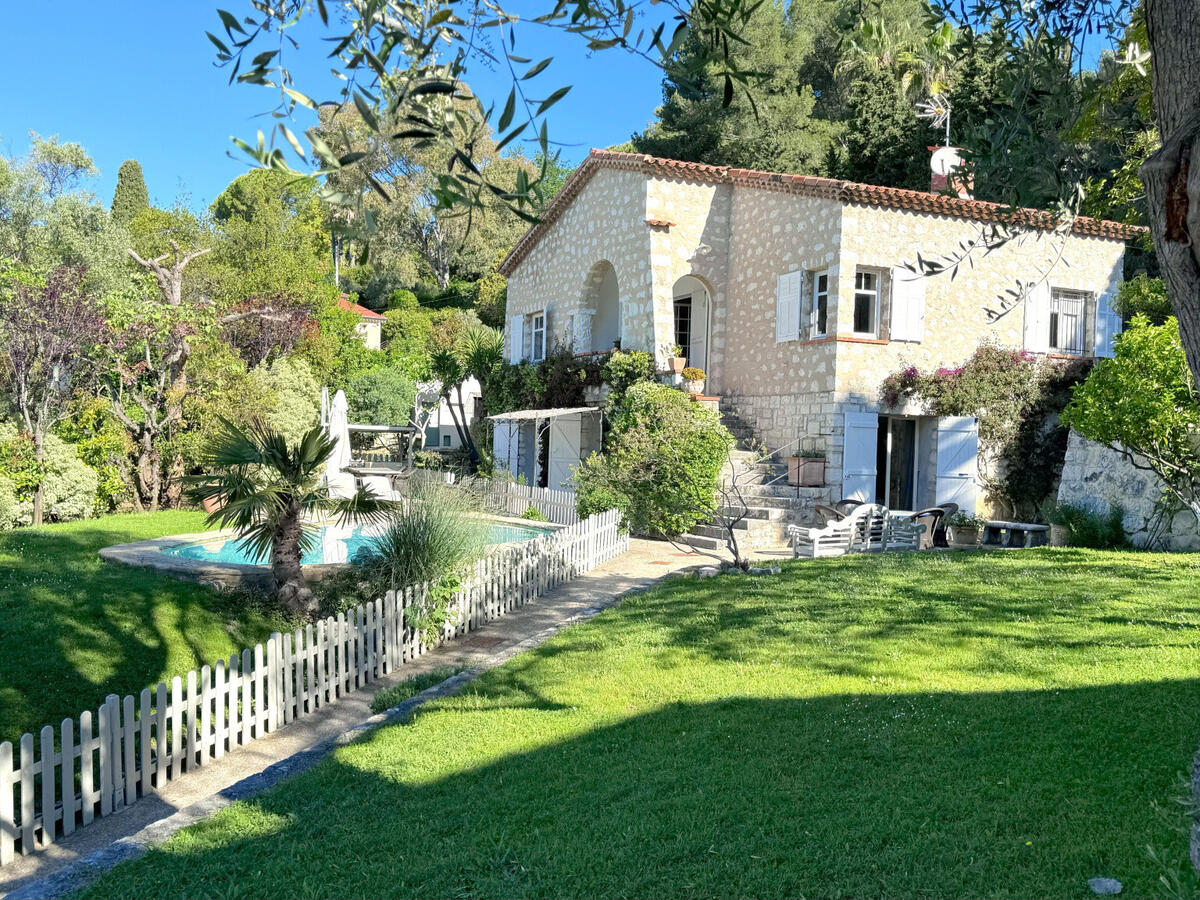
x: 290, y: 587
x: 1172, y: 175
x: 466, y: 429
x: 39, y: 493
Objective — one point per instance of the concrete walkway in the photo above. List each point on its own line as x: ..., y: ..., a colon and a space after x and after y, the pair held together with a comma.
x: 72, y: 862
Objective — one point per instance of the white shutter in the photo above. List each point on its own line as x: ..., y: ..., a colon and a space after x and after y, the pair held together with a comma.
x: 1037, y: 318
x: 516, y: 329
x: 908, y: 305
x: 566, y: 441
x: 1108, y: 325
x: 957, y: 461
x: 787, y: 307
x: 858, y: 456
x: 504, y: 446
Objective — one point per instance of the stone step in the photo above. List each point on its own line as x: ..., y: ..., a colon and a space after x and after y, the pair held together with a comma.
x: 700, y: 542
x: 755, y: 512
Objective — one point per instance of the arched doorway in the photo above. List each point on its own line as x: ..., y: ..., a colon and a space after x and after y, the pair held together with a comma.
x: 691, y: 319
x: 602, y: 299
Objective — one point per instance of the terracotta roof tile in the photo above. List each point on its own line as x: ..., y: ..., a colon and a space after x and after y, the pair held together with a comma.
x: 344, y: 303
x: 659, y: 223
x: 807, y: 185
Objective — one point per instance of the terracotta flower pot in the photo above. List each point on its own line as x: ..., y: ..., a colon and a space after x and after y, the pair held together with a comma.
x: 213, y: 504
x: 677, y: 364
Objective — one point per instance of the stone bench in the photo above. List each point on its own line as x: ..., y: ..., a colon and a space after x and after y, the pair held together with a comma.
x: 1014, y: 534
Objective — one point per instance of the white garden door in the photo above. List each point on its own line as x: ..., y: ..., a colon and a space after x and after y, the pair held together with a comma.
x: 958, y: 461
x: 565, y: 450
x: 858, y: 456
x: 504, y: 446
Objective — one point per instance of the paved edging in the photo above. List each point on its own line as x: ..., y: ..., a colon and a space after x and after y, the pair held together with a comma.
x: 78, y: 873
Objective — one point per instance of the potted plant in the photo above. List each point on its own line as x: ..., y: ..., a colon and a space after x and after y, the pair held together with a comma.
x: 1059, y: 519
x: 963, y: 529
x: 693, y: 380
x: 675, y: 359
x: 807, y: 468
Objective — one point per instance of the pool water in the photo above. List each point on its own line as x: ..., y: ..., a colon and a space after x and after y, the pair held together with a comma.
x: 335, y: 544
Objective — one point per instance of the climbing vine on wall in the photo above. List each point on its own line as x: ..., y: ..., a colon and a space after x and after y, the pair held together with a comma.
x: 1017, y: 398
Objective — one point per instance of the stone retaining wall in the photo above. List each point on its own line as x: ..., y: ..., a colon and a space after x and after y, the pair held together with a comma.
x: 1097, y: 477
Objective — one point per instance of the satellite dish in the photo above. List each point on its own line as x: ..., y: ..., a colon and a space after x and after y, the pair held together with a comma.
x: 945, y: 160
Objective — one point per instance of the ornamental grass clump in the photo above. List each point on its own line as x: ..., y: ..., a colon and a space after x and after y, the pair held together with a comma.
x: 432, y: 539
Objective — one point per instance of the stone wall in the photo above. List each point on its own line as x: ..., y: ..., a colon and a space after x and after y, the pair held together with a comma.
x: 1097, y: 477
x: 956, y: 319
x: 605, y: 223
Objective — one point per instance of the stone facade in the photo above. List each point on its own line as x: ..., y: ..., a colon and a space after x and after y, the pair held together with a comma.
x: 736, y: 233
x: 1097, y: 478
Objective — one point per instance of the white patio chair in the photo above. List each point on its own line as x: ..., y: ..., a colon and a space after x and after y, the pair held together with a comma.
x: 864, y: 530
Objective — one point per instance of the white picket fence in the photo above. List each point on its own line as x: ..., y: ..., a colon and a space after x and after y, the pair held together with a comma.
x: 513, y: 499
x: 97, y: 764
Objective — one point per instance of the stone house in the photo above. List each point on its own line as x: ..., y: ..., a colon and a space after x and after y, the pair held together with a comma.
x: 797, y: 297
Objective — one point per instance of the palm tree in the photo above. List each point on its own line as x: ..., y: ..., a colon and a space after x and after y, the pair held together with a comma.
x: 270, y: 490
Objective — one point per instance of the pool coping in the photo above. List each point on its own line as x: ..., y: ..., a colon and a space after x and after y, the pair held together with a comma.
x: 151, y: 554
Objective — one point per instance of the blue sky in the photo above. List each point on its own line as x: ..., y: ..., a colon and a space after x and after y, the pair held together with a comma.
x: 135, y: 79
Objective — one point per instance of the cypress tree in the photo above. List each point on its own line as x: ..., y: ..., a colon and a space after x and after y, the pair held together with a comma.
x: 130, y: 197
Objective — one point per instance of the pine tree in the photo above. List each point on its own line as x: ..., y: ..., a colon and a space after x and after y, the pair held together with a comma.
x: 130, y: 197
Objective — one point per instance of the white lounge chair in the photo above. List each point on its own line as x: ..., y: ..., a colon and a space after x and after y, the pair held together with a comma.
x: 381, y: 487
x: 868, y: 528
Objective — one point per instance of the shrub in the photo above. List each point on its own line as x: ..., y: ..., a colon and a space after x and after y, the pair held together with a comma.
x: 9, y: 504
x: 1144, y: 296
x: 1017, y: 397
x: 69, y: 484
x: 1098, y: 531
x: 402, y: 299
x: 691, y: 373
x: 293, y: 396
x: 625, y: 369
x: 102, y: 443
x: 534, y: 514
x: 661, y: 464
x: 382, y: 396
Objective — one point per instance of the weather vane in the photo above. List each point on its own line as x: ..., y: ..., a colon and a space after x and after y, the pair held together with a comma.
x: 937, y: 110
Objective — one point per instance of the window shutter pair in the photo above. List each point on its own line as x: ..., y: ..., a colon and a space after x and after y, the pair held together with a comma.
x: 1108, y: 325
x: 908, y: 305
x: 789, y: 290
x: 1037, y: 318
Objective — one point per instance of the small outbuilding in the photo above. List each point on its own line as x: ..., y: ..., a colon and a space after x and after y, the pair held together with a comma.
x: 545, y: 445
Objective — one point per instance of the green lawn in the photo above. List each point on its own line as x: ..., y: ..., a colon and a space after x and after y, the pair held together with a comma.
x: 74, y: 629
x: 943, y: 725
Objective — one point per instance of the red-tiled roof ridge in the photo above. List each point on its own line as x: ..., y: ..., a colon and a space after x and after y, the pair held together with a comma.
x: 344, y: 303
x: 808, y: 185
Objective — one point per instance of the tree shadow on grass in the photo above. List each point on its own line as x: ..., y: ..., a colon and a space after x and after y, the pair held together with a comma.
x: 1012, y: 794
x: 74, y: 628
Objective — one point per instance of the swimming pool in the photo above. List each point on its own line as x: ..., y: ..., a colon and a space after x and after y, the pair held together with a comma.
x: 335, y: 544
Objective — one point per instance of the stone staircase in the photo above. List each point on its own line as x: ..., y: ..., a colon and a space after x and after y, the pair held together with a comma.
x: 768, y: 500
x: 771, y: 504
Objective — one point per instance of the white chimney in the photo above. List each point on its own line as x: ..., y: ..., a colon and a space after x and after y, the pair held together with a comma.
x: 944, y: 167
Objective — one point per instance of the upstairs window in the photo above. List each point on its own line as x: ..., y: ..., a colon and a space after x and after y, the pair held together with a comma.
x: 866, y: 303
x: 537, y: 324
x: 1068, y: 313
x: 820, y: 304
